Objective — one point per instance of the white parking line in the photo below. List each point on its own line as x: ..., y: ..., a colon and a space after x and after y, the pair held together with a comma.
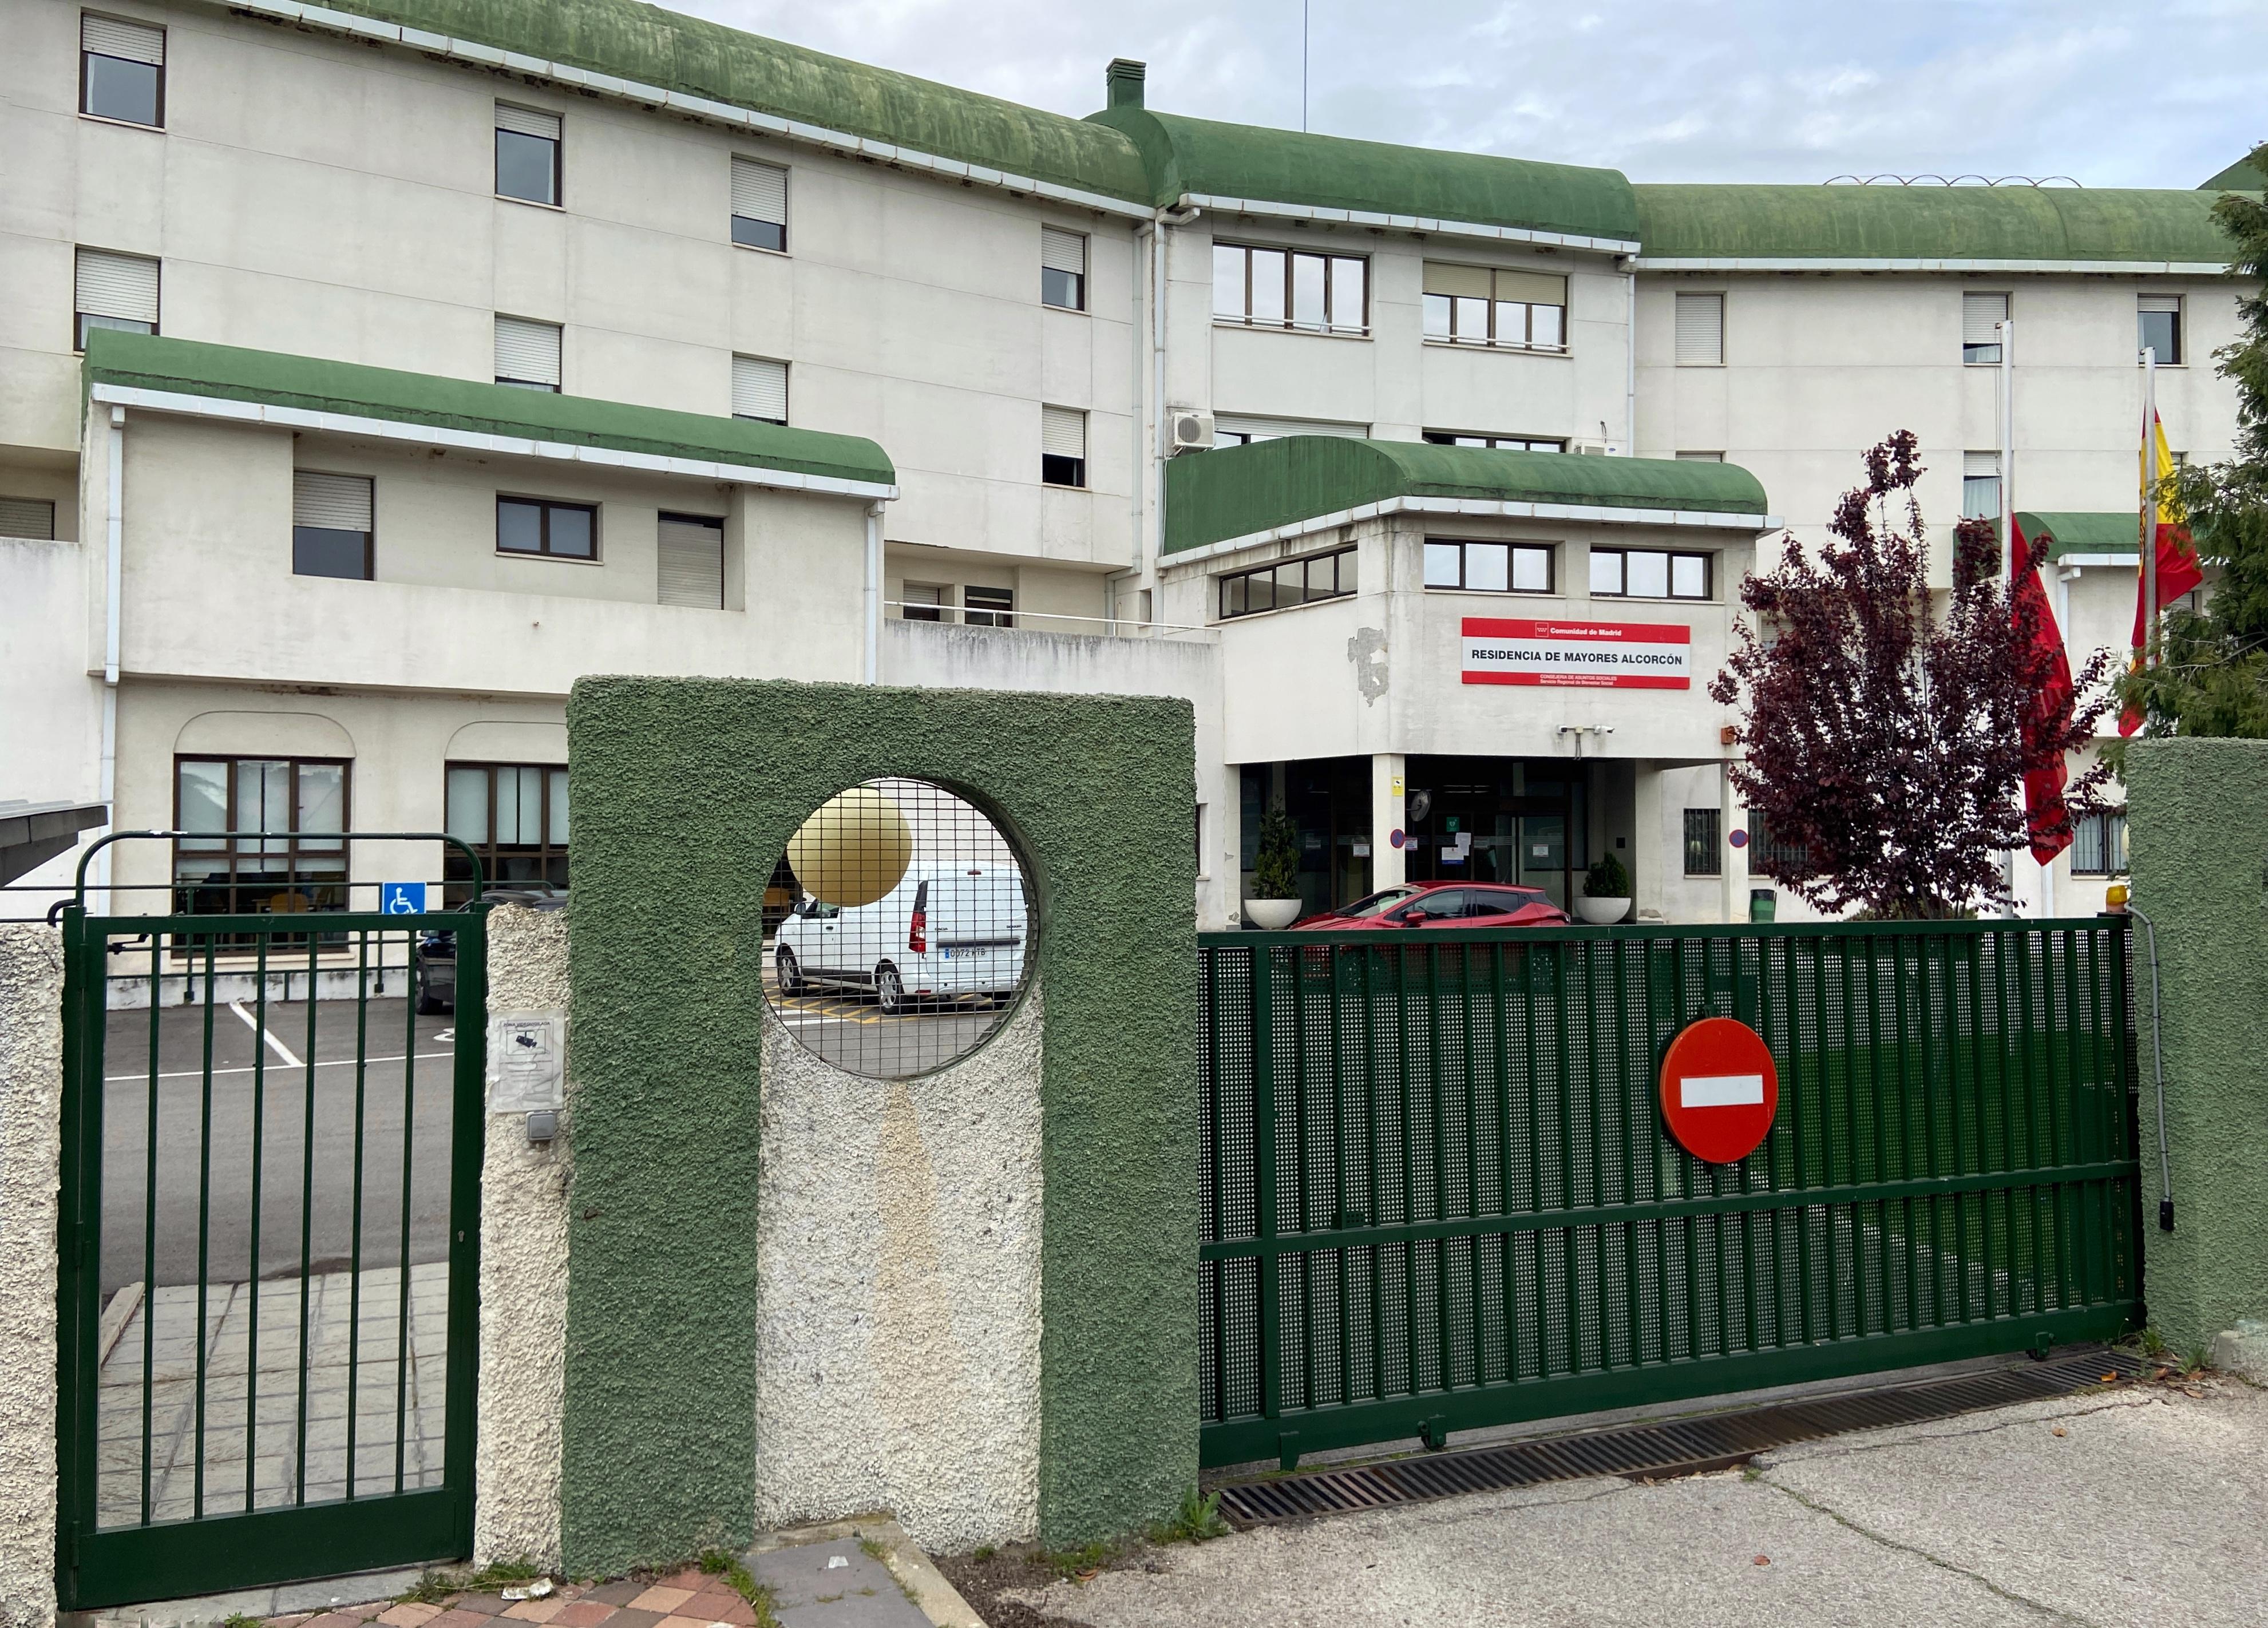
x: 273, y: 1044
x: 198, y: 1073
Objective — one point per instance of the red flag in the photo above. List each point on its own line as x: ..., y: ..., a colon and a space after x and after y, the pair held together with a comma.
x: 2047, y: 707
x: 2178, y: 568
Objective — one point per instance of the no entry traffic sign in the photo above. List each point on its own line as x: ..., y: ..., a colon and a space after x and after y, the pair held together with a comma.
x: 1719, y: 1090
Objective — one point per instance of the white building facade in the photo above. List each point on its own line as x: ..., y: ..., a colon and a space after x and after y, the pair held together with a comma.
x: 368, y: 374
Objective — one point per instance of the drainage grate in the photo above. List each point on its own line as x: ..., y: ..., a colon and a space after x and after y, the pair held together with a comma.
x: 1677, y: 1446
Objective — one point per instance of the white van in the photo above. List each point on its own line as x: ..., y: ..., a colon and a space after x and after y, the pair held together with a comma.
x: 944, y: 931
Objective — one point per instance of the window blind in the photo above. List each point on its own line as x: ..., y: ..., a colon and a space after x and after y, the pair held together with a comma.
x: 27, y: 517
x: 332, y: 502
x: 1063, y: 251
x: 1700, y: 330
x: 117, y: 285
x: 2168, y: 303
x: 527, y: 351
x: 1979, y: 314
x: 1063, y: 432
x: 1700, y: 458
x: 528, y: 122
x: 1261, y: 429
x: 759, y: 388
x: 759, y: 191
x: 1535, y: 288
x: 130, y: 42
x: 1980, y: 466
x: 692, y: 563
x: 1470, y: 281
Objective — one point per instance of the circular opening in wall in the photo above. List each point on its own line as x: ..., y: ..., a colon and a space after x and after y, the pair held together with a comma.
x: 897, y: 929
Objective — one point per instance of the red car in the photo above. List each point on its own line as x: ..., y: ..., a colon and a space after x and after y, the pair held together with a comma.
x: 1442, y: 904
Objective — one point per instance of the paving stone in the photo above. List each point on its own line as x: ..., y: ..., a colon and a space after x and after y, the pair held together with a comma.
x: 621, y: 1591
x: 810, y: 1593
x: 534, y: 1611
x: 662, y: 1599
x: 583, y: 1614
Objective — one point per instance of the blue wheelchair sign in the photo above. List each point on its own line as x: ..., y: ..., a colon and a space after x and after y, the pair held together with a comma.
x: 401, y: 898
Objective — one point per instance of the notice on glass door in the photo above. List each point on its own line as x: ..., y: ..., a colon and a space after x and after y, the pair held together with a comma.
x: 1617, y: 655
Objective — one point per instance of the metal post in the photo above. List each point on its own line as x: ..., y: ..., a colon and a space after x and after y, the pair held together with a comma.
x: 874, y: 591
x: 2150, y: 504
x: 2009, y: 523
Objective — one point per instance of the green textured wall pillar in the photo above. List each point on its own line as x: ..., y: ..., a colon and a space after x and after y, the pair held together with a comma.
x: 2197, y: 819
x: 686, y: 792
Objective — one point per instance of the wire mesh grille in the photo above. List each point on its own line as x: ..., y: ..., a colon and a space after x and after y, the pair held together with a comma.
x: 1432, y: 1168
x: 897, y: 929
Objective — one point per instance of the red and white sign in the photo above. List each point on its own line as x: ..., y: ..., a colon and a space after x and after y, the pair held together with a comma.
x: 1719, y: 1090
x: 1619, y: 655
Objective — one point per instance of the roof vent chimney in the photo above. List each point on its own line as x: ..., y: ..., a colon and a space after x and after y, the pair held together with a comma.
x: 1123, y: 83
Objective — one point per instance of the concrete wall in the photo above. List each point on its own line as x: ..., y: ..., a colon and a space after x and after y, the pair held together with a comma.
x: 2200, y: 853
x: 51, y: 722
x: 898, y: 1248
x: 31, y: 1131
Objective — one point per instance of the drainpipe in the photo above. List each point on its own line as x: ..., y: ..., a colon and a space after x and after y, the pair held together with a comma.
x: 113, y: 573
x: 1164, y: 218
x: 873, y: 591
x: 1630, y: 364
x: 1135, y: 483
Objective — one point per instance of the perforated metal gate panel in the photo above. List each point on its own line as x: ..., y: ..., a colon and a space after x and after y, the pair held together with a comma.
x: 1438, y: 1192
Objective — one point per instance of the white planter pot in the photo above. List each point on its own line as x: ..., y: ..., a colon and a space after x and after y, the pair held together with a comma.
x: 1271, y: 915
x: 1601, y: 912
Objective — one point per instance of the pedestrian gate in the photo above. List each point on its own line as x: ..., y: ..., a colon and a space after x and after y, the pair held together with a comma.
x: 1437, y: 1194
x: 270, y: 1184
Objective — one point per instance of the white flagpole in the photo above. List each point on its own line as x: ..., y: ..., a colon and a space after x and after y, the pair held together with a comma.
x: 2008, y: 521
x: 2149, y: 465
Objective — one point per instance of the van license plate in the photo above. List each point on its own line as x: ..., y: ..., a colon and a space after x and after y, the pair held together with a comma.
x: 963, y: 954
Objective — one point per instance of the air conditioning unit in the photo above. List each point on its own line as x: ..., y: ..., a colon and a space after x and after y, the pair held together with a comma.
x: 1594, y: 449
x: 1192, y: 429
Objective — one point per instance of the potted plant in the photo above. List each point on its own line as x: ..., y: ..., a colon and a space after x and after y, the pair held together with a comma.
x: 1274, y: 873
x: 1606, y: 892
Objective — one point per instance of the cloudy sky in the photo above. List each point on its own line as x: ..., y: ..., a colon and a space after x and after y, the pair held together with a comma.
x: 2157, y: 94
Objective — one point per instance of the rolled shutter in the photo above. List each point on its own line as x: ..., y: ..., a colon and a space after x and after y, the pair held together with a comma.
x: 1270, y: 428
x: 1063, y: 251
x: 1700, y: 330
x: 1467, y: 281
x: 130, y: 42
x: 1063, y: 432
x: 527, y: 351
x: 1979, y: 315
x: 332, y: 502
x: 27, y: 517
x: 1535, y: 288
x: 528, y: 122
x: 118, y: 285
x: 1980, y: 466
x: 2167, y: 303
x: 759, y: 388
x: 692, y: 563
x: 759, y: 191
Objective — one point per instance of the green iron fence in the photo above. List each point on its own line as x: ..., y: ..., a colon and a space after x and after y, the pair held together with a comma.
x: 1438, y: 1193
x: 268, y: 1246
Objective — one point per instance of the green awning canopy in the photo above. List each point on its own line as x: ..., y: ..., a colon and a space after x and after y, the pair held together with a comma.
x: 1236, y: 492
x: 187, y: 367
x: 2083, y: 532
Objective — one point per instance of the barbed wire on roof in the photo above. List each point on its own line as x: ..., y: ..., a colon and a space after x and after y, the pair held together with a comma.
x: 1890, y: 178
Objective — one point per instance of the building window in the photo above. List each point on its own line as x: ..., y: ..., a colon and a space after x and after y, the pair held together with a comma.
x: 759, y: 205
x: 292, y: 855
x: 759, y: 389
x: 513, y: 815
x: 1700, y: 458
x: 1489, y: 567
x: 527, y: 354
x: 331, y: 531
x: 1063, y: 447
x: 1063, y: 268
x: 1285, y: 288
x: 2098, y: 844
x: 922, y: 601
x: 1500, y: 443
x: 1704, y: 849
x: 122, y: 70
x: 1476, y: 305
x: 115, y: 291
x: 988, y: 607
x: 2158, y: 317
x: 691, y: 568
x: 567, y: 531
x: 1773, y: 856
x: 1650, y: 574
x: 526, y: 154
x: 30, y: 517
x: 1980, y: 486
x: 1700, y: 330
x: 1981, y: 316
x: 1293, y: 582
x: 1243, y: 428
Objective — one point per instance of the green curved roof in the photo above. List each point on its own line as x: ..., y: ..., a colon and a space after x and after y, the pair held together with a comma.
x: 630, y: 40
x: 1929, y: 223
x: 1188, y: 156
x: 2243, y: 176
x: 187, y: 367
x: 1235, y: 491
x: 2091, y: 532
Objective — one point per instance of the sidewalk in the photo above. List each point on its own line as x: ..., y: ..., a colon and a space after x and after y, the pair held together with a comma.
x: 2147, y: 1508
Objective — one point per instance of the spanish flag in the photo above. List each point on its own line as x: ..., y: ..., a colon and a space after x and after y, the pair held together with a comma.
x: 2178, y: 570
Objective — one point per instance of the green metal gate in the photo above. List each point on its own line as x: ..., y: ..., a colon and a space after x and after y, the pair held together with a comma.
x: 1438, y: 1192
x: 269, y: 1235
